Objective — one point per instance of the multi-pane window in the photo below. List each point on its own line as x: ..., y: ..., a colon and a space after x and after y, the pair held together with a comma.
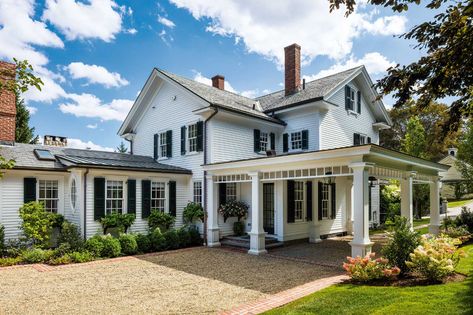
x: 49, y: 194
x: 325, y: 201
x: 198, y: 192
x: 263, y: 141
x: 231, y: 191
x: 114, y: 197
x: 350, y: 95
x: 158, y: 196
x: 192, y: 136
x: 163, y: 144
x: 296, y: 140
x: 73, y: 194
x: 298, y: 201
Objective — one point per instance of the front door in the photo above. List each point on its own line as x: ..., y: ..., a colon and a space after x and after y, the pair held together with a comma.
x: 268, y: 208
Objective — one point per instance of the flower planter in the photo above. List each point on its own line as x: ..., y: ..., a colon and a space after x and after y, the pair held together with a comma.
x: 238, y: 228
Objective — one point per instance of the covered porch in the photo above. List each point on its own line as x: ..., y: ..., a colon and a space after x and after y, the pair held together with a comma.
x: 312, y: 195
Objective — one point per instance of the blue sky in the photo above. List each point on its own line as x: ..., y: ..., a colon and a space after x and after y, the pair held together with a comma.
x: 94, y: 56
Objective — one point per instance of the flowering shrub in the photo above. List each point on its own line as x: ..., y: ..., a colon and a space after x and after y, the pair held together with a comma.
x: 233, y: 208
x: 436, y: 257
x: 368, y: 268
x: 459, y: 232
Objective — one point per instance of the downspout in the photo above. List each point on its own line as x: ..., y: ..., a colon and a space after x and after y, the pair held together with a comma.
x: 205, y: 172
x: 85, y: 203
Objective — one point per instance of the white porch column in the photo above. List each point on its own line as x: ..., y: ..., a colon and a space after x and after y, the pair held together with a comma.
x: 407, y: 207
x: 361, y: 244
x: 257, y: 234
x: 213, y: 232
x: 434, y: 207
x: 314, y: 225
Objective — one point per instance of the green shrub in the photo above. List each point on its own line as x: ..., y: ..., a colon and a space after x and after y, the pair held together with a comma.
x: 171, y: 238
x: 36, y: 255
x: 2, y: 239
x: 81, y: 257
x: 56, y: 220
x: 111, y: 246
x: 10, y: 261
x: 365, y: 269
x: 61, y: 260
x: 70, y: 235
x: 465, y: 218
x: 435, y: 258
x: 194, y: 235
x: 144, y: 243
x: 193, y: 212
x: 161, y: 220
x: 459, y: 232
x: 62, y: 249
x: 117, y: 220
x: 448, y: 222
x: 128, y: 244
x: 402, y: 242
x: 184, y: 237
x: 36, y: 223
x: 127, y: 220
x: 233, y: 208
x: 94, y: 245
x: 158, y: 242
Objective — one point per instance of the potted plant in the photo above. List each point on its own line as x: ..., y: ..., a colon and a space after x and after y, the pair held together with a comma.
x: 234, y: 208
x: 193, y: 212
x: 161, y: 220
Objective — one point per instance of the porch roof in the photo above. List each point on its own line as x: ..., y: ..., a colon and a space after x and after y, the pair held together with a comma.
x: 382, y: 158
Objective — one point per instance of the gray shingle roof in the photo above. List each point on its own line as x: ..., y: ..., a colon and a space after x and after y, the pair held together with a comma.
x: 314, y: 90
x: 221, y: 98
x: 25, y: 158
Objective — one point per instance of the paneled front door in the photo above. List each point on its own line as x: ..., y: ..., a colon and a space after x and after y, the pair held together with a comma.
x: 268, y: 208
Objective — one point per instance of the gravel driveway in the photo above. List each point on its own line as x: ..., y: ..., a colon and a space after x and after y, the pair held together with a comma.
x: 197, y: 281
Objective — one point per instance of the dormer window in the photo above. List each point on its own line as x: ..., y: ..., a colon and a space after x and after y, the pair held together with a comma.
x: 359, y: 139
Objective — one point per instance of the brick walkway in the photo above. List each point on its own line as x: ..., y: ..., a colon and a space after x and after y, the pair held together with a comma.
x: 285, y: 297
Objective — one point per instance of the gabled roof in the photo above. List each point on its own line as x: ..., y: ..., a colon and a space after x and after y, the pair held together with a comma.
x: 314, y: 90
x: 25, y: 158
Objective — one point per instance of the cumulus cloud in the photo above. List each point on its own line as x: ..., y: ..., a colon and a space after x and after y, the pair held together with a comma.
x: 89, y: 145
x: 228, y: 87
x: 97, y: 19
x: 96, y: 74
x: 32, y: 110
x: 265, y: 29
x: 375, y: 63
x: 166, y: 22
x: 88, y: 105
x: 92, y: 126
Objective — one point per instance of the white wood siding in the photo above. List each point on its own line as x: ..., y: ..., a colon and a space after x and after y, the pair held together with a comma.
x: 300, y: 119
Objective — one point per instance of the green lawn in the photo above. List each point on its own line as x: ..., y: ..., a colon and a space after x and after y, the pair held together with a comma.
x: 458, y: 203
x: 451, y: 298
x: 416, y: 223
x: 421, y: 222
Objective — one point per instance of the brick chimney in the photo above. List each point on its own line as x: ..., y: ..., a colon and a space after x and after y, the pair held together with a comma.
x: 7, y: 105
x: 218, y: 82
x: 292, y: 69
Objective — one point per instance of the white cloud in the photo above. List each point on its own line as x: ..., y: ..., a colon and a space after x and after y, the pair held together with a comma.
x: 166, y: 22
x: 92, y: 126
x: 96, y: 74
x: 266, y: 29
x: 99, y: 19
x: 79, y: 144
x: 131, y: 31
x: 32, y: 109
x: 88, y: 105
x: 375, y: 63
x: 228, y: 87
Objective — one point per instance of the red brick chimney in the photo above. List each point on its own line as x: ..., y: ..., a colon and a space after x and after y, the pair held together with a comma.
x: 7, y: 104
x: 292, y: 71
x: 218, y: 81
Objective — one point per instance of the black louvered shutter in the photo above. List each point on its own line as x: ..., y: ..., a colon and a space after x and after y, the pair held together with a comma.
x: 155, y: 148
x: 291, y: 212
x: 131, y: 200
x: 200, y: 136
x: 358, y: 102
x: 347, y: 97
x: 309, y: 200
x: 319, y: 200
x: 222, y: 193
x: 99, y: 198
x: 172, y: 198
x: 256, y: 140
x: 356, y: 139
x: 305, y: 139
x: 145, y: 198
x: 285, y: 142
x: 169, y: 143
x: 29, y: 189
x: 333, y: 201
x: 368, y: 140
x: 183, y: 140
x: 272, y: 137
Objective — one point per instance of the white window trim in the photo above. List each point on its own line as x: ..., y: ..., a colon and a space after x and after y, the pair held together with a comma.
x: 290, y: 149
x: 304, y: 199
x: 188, y: 150
x: 166, y: 193
x: 329, y: 202
x: 363, y: 136
x: 74, y: 207
x: 60, y: 203
x: 201, y: 190
x: 124, y: 189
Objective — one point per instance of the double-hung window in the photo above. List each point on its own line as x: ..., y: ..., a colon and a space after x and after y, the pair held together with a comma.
x: 163, y: 149
x: 361, y: 139
x: 114, y: 197
x: 192, y: 137
x: 298, y: 201
x: 231, y: 191
x: 198, y: 192
x: 350, y: 98
x: 296, y: 140
x: 49, y: 194
x: 325, y: 201
x: 263, y: 141
x: 158, y: 196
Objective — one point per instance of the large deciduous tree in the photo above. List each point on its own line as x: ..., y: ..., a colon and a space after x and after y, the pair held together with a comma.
x: 445, y: 70
x: 465, y: 156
